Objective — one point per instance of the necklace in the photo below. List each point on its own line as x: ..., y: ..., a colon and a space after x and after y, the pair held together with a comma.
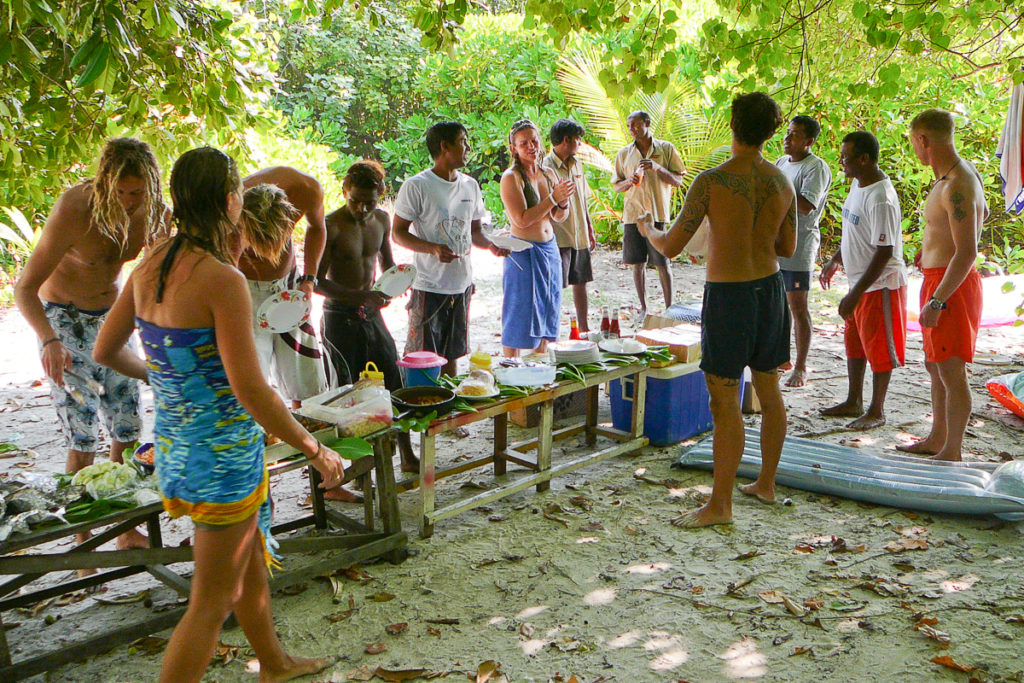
x: 939, y: 180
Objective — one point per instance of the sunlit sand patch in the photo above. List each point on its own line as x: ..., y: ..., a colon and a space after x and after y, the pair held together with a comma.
x: 743, y: 660
x: 601, y: 596
x: 494, y: 621
x: 533, y: 646
x: 624, y: 640
x: 660, y: 640
x: 531, y: 611
x: 956, y: 585
x: 848, y: 625
x: 669, y: 660
x: 649, y: 568
x: 555, y: 630
x: 587, y: 539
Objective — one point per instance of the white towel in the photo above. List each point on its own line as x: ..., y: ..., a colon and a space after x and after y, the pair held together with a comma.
x: 1010, y: 153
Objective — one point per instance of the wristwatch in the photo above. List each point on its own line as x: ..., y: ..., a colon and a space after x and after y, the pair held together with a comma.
x: 306, y: 278
x: 936, y: 305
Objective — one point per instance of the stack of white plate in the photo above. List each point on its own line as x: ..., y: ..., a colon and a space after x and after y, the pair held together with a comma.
x: 575, y: 351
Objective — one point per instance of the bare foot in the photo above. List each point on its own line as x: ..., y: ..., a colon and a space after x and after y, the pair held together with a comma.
x: 752, y: 489
x: 343, y: 495
x: 866, y: 422
x: 844, y: 409
x: 298, y: 666
x: 701, y: 517
x: 132, y: 539
x: 946, y: 457
x: 786, y: 366
x: 922, y: 447
x: 797, y: 378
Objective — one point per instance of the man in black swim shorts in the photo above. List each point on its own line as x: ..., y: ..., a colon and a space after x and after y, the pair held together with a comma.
x: 751, y: 210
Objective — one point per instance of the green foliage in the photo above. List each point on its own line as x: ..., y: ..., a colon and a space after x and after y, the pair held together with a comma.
x: 352, y: 81
x: 75, y: 73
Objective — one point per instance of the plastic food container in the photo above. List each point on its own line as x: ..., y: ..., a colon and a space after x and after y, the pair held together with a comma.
x: 421, y: 368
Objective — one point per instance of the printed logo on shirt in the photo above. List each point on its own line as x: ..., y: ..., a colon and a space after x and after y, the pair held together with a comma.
x: 881, y: 238
x: 851, y: 216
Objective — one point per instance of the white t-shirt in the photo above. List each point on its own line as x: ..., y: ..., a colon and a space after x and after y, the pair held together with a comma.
x: 441, y: 212
x: 872, y: 218
x: 811, y: 178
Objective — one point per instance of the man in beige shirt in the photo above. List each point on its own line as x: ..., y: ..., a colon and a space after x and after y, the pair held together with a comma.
x: 575, y: 234
x: 646, y: 170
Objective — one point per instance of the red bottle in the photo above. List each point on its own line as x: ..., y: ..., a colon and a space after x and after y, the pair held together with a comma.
x: 605, y: 322
x: 574, y: 328
x: 613, y: 328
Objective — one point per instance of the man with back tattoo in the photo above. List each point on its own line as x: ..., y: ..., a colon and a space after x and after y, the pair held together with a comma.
x: 751, y: 210
x: 951, y: 294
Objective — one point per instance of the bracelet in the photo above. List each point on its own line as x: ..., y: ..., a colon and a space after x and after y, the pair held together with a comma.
x: 562, y: 207
x: 49, y: 341
x: 316, y: 455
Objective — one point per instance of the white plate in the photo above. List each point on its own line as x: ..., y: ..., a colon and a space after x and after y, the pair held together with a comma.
x: 526, y: 375
x: 484, y: 397
x: 511, y: 243
x: 284, y: 311
x: 615, y: 346
x: 395, y: 281
x: 572, y: 346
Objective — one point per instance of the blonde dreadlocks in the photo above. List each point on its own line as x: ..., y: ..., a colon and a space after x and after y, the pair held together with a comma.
x: 267, y: 220
x: 120, y: 158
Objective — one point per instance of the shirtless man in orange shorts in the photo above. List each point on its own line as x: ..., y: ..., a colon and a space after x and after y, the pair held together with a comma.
x: 951, y: 293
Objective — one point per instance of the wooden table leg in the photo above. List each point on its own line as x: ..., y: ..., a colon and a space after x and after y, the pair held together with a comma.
x: 593, y: 396
x: 500, y: 443
x: 426, y: 483
x: 387, y: 493
x: 153, y: 530
x: 545, y: 440
x: 639, y: 404
x: 316, y: 495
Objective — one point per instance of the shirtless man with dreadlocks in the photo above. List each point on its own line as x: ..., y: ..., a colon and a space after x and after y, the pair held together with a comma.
x: 70, y: 282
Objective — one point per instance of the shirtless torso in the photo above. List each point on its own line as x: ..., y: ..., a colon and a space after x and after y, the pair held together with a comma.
x: 307, y: 196
x: 349, y: 266
x: 751, y: 213
x: 961, y: 196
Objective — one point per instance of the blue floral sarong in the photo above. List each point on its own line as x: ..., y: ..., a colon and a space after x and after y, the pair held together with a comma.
x: 208, y: 450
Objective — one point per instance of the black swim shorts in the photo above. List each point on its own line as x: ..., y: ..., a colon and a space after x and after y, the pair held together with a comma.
x: 637, y: 249
x: 744, y: 324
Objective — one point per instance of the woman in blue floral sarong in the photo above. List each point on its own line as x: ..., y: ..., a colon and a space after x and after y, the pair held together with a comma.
x: 191, y: 306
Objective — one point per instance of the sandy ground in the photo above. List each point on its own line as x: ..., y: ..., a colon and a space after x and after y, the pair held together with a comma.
x: 590, y: 579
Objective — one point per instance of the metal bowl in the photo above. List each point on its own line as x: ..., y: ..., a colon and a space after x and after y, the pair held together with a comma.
x: 445, y: 398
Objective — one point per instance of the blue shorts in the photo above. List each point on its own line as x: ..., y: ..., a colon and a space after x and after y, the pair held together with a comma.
x: 744, y: 324
x: 78, y: 407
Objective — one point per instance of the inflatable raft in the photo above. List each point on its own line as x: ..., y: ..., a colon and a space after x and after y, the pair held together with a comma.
x: 897, y: 480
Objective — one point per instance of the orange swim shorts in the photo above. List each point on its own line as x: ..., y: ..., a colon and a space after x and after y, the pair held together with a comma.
x: 957, y: 330
x: 878, y: 329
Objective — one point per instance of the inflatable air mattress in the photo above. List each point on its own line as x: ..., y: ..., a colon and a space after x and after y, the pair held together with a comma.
x: 886, y: 479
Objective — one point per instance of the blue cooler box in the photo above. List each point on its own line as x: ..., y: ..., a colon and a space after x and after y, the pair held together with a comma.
x: 677, y: 405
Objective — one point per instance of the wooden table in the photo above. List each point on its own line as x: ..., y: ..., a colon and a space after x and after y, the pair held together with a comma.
x: 504, y: 453
x: 362, y: 543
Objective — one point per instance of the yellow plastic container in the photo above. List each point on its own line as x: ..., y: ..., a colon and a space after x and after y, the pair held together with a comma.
x: 371, y: 373
x: 480, y: 360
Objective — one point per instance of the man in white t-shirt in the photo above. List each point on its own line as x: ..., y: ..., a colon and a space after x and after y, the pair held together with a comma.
x: 875, y: 310
x: 811, y: 178
x: 437, y: 215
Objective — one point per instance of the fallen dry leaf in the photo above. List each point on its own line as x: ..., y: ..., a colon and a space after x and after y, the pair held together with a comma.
x: 398, y: 674
x: 293, y: 590
x: 446, y: 621
x: 814, y: 603
x: 747, y: 555
x: 906, y: 544
x: 947, y: 661
x: 342, y: 616
x: 150, y: 645
x: 375, y: 648
x: 593, y: 526
x: 794, y: 608
x: 487, y: 671
x: 771, y: 597
x: 799, y: 651
x: 363, y: 673
x: 934, y: 633
x: 226, y: 653
x: 804, y: 548
x: 356, y: 573
x: 434, y: 631
x: 396, y: 629
x: 526, y: 630
x: 382, y: 597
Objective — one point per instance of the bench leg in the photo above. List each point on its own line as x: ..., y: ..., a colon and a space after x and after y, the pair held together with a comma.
x: 426, y: 483
x: 545, y: 439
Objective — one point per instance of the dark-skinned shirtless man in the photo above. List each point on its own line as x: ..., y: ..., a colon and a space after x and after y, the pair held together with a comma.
x: 751, y: 210
x: 293, y: 358
x: 951, y: 294
x: 71, y: 281
x: 353, y: 330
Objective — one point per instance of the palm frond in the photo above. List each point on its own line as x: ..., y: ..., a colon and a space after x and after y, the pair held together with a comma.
x: 578, y: 75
